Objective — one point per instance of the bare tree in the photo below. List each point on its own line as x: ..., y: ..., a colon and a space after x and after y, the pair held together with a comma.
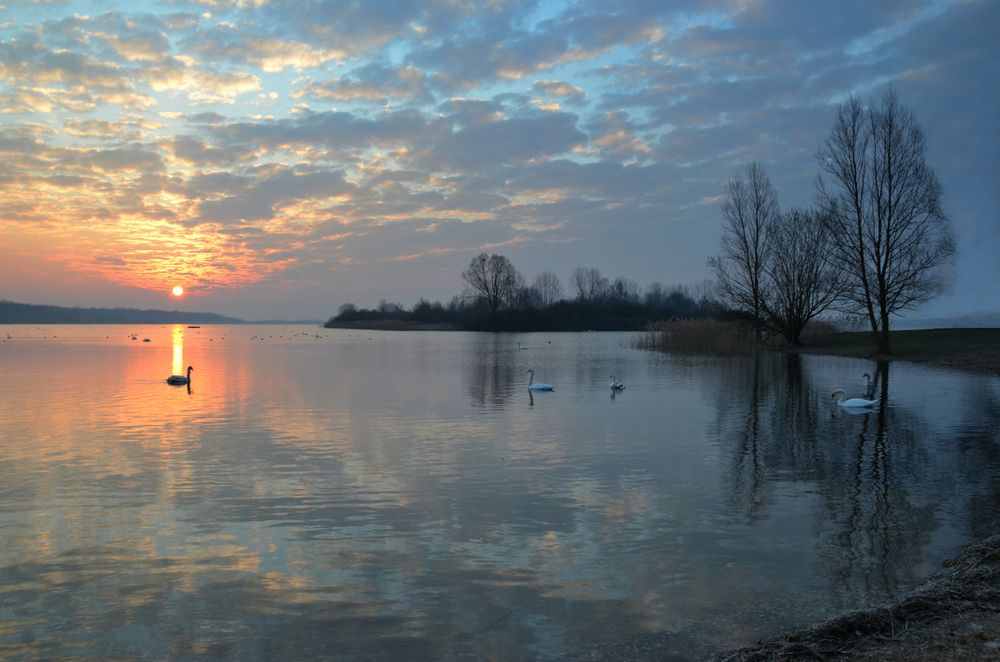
x: 749, y: 210
x: 891, y: 237
x: 387, y: 308
x: 521, y: 297
x: 588, y: 283
x: 656, y: 296
x: 493, y: 279
x: 802, y: 279
x: 703, y: 292
x: 623, y: 290
x: 548, y: 288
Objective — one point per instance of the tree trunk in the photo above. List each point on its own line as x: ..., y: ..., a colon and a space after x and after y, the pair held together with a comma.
x: 883, y: 338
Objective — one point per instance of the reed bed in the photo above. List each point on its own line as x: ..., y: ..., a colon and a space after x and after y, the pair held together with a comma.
x: 702, y: 336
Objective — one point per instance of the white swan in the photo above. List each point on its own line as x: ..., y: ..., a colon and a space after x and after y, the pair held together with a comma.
x: 853, y: 402
x: 521, y: 347
x: 616, y: 385
x: 532, y: 386
x: 180, y: 380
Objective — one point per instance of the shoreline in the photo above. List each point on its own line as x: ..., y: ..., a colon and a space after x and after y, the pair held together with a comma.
x: 972, y: 349
x: 954, y: 614
x: 975, y: 350
x: 390, y: 325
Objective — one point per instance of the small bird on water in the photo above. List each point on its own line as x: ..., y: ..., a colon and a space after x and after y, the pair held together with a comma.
x: 180, y: 380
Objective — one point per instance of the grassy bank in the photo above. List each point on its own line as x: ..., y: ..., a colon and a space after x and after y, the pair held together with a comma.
x: 967, y: 349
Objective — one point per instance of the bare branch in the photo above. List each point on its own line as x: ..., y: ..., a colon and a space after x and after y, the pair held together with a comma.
x: 748, y: 212
x: 891, y: 238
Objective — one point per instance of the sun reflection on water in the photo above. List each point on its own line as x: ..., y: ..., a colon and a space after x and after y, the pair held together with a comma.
x: 177, y: 338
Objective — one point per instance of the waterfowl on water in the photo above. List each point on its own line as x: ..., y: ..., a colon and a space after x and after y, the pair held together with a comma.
x: 852, y: 402
x: 532, y: 386
x: 180, y: 380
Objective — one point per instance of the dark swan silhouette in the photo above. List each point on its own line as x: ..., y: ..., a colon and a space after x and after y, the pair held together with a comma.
x: 180, y: 380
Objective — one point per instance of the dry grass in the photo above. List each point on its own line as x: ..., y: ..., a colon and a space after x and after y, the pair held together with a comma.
x: 818, y: 331
x: 698, y: 337
x: 967, y: 349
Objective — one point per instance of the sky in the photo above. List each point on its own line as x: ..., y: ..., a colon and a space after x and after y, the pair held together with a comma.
x: 278, y: 158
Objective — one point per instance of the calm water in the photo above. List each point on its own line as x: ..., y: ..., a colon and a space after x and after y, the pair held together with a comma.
x: 400, y: 495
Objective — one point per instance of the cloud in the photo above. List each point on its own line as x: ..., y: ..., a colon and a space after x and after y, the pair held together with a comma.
x: 233, y: 44
x: 129, y: 130
x: 192, y: 151
x: 372, y: 83
x: 490, y: 144
x: 205, y: 184
x: 615, y: 134
x: 32, y: 63
x: 553, y: 88
x: 462, y: 63
x: 336, y: 130
x: 132, y: 158
x: 259, y: 200
x: 205, y: 87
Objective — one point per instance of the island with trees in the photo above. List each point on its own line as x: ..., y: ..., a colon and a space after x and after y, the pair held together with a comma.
x: 498, y: 298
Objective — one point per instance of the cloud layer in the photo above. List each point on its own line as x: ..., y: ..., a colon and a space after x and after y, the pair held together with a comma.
x: 278, y: 158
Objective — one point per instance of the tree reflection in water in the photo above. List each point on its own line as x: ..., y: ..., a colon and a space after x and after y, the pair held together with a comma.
x: 878, y: 478
x: 491, y: 375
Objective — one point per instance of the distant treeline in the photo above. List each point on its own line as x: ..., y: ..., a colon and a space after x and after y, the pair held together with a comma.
x: 498, y: 299
x: 25, y: 313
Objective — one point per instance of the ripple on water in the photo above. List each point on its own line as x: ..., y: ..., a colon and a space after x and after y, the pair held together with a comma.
x: 405, y: 496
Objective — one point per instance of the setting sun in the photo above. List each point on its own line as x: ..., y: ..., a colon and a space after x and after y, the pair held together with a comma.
x: 177, y: 291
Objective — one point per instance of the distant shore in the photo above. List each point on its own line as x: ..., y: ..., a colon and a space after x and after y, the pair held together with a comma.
x: 12, y: 312
x: 976, y: 350
x: 390, y: 325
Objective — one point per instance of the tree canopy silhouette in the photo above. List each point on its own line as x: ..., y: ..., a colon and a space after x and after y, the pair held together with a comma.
x: 892, y: 239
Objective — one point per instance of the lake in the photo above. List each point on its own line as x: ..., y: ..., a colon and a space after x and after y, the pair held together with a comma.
x: 379, y: 495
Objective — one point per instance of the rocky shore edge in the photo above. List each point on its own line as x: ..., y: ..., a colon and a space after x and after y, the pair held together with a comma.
x: 954, y: 615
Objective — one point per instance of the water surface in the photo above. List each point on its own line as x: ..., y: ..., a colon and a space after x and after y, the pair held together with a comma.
x: 374, y: 495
